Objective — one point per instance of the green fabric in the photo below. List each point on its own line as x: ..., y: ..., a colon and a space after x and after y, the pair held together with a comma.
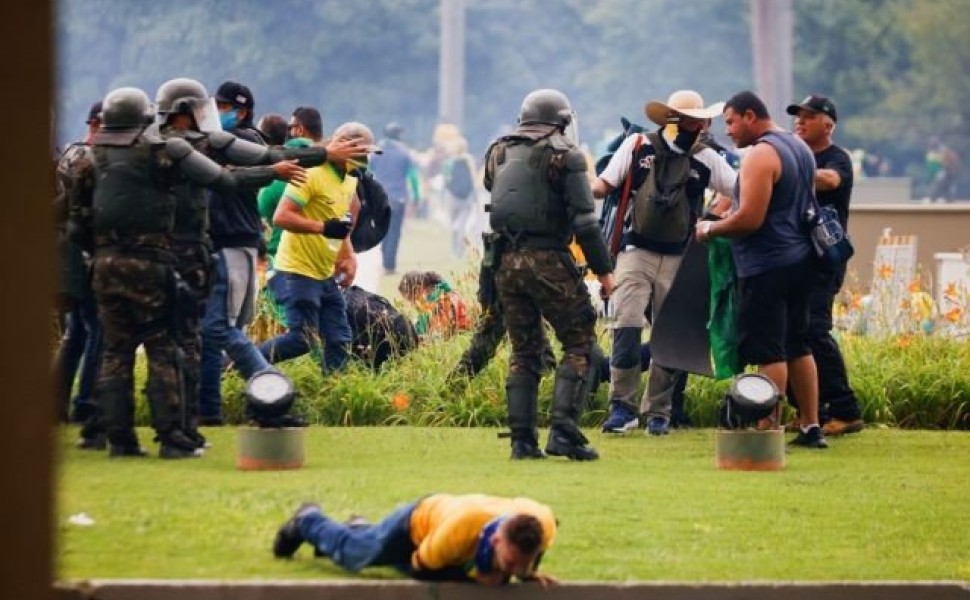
x: 431, y: 300
x: 269, y: 197
x: 723, y: 324
x: 414, y: 183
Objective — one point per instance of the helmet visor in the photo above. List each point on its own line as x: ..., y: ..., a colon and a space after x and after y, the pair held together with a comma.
x: 571, y: 131
x: 206, y: 114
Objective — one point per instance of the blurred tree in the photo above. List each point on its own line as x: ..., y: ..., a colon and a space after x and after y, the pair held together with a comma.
x: 938, y: 94
x: 896, y: 68
x: 854, y: 52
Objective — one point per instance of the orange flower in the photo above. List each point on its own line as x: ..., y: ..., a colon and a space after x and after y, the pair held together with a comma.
x: 951, y: 290
x: 856, y: 301
x: 884, y: 271
x: 915, y: 286
x: 904, y: 341
x: 401, y: 401
x: 953, y: 315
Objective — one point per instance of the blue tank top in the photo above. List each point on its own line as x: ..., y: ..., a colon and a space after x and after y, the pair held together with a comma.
x: 783, y: 238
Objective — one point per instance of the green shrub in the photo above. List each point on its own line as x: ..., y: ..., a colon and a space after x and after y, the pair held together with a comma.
x: 911, y: 382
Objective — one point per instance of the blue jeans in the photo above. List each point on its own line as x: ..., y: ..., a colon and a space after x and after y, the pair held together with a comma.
x: 387, y: 543
x: 219, y: 335
x: 392, y: 240
x: 82, y: 338
x: 313, y: 307
x: 277, y: 286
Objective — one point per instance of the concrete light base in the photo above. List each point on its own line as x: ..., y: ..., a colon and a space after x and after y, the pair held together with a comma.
x: 269, y: 449
x: 749, y: 449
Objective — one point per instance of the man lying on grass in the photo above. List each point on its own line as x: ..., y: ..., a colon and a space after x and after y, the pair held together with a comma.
x: 441, y: 537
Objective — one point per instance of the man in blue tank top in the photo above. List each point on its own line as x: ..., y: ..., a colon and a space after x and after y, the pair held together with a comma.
x: 773, y: 254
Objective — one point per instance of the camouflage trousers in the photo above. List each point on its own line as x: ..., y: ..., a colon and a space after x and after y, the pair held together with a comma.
x: 193, y: 266
x: 545, y: 284
x: 135, y: 298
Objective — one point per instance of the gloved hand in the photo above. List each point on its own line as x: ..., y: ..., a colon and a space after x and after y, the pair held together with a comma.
x: 336, y: 229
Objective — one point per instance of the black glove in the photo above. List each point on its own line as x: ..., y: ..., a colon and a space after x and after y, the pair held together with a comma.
x: 336, y: 229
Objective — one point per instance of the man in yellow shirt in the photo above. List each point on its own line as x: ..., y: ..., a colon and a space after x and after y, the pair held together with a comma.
x: 315, y: 256
x: 441, y: 537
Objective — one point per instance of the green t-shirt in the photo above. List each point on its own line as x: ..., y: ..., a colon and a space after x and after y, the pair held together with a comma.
x: 269, y: 197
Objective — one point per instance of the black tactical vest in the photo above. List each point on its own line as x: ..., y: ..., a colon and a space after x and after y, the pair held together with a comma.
x: 524, y: 205
x: 133, y: 198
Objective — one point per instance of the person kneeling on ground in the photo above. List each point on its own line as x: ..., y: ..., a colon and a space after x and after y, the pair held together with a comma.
x: 440, y: 537
x: 441, y: 311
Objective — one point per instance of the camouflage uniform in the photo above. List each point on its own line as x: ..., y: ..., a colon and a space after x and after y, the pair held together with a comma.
x: 540, y: 197
x: 133, y: 283
x: 123, y: 211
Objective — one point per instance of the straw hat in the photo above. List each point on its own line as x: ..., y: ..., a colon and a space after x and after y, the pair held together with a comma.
x: 684, y: 102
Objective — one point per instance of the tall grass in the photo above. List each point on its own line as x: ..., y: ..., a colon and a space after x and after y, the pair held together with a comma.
x: 910, y: 380
x: 913, y: 382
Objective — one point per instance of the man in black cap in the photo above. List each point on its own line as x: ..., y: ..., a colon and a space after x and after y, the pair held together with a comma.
x: 815, y: 120
x: 236, y: 233
x: 235, y: 103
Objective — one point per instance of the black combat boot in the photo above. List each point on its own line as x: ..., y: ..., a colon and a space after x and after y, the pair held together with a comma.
x: 568, y: 399
x: 571, y: 444
x: 525, y: 445
x: 93, y: 436
x: 175, y: 444
x: 521, y: 390
x: 124, y: 443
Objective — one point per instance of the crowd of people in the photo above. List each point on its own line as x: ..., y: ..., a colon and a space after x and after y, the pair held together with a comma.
x: 176, y: 272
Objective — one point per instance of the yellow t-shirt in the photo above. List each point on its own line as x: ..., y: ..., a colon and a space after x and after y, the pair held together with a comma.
x: 445, y: 528
x: 325, y: 195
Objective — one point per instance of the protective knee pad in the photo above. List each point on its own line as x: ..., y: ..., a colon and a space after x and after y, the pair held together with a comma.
x: 626, y: 348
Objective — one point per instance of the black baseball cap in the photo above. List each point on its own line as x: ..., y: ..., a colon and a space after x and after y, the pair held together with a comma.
x: 94, y: 113
x: 818, y: 104
x: 235, y: 93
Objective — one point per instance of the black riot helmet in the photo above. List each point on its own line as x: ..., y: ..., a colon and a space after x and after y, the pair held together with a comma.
x: 547, y: 106
x: 126, y: 108
x: 179, y: 95
x: 184, y: 96
x: 125, y: 113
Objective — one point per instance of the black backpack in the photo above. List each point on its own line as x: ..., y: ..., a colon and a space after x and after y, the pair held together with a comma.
x: 661, y: 210
x: 379, y: 331
x: 375, y: 213
x: 460, y: 182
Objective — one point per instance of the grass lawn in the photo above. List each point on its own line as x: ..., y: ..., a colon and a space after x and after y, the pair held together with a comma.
x: 883, y: 505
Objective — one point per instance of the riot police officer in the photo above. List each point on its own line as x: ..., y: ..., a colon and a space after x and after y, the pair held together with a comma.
x: 540, y: 198
x: 186, y: 111
x: 122, y: 211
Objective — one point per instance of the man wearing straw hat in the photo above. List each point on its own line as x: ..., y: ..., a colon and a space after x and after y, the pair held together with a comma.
x: 653, y: 242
